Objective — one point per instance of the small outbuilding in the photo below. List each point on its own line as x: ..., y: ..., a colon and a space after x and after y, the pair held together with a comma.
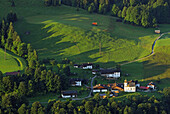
x: 94, y: 23
x: 68, y: 94
x: 151, y: 85
x: 157, y: 31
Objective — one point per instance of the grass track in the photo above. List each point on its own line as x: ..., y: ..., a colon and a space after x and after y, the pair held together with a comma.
x: 12, y: 62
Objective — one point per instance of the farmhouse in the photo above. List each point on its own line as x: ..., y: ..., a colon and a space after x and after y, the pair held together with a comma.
x: 68, y: 94
x: 116, y: 89
x: 130, y: 86
x: 157, y: 31
x: 76, y: 66
x: 100, y: 88
x: 87, y: 66
x: 75, y: 82
x: 110, y: 73
x: 95, y: 71
x: 12, y: 73
x: 151, y: 85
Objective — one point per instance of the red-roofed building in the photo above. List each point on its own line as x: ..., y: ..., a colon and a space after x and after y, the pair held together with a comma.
x: 100, y: 88
x: 143, y: 88
x: 94, y: 23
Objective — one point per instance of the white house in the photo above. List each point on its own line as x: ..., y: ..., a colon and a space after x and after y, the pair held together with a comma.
x: 68, y: 94
x: 151, y: 85
x: 76, y: 66
x: 95, y: 71
x: 129, y: 86
x: 76, y: 82
x: 87, y: 66
x: 110, y: 73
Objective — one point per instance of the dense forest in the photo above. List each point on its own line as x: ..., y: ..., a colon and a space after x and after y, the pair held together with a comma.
x: 146, y: 13
x: 36, y: 78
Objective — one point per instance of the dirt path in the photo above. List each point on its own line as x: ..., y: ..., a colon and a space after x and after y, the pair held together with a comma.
x: 153, y: 47
x: 90, y: 91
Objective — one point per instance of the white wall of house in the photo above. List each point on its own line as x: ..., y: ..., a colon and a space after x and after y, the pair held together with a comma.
x: 104, y: 90
x: 129, y: 89
x: 151, y: 86
x: 116, y: 74
x: 137, y: 85
x: 114, y: 90
x: 96, y: 90
x: 88, y: 67
x: 112, y: 75
x: 93, y: 72
x: 66, y: 96
x: 76, y: 67
x: 78, y: 83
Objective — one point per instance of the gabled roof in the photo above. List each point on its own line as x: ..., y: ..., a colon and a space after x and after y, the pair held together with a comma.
x: 100, y: 86
x: 95, y: 70
x: 69, y: 92
x: 86, y: 64
x: 76, y: 65
x: 73, y: 80
x: 108, y: 71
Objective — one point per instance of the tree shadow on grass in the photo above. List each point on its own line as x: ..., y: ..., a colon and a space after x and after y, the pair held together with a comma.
x: 85, y: 56
x: 154, y: 70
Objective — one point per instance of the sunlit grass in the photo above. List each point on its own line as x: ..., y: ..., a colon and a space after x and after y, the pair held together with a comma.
x: 11, y: 63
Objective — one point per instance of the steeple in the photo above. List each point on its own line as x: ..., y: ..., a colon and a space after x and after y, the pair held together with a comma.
x: 125, y: 83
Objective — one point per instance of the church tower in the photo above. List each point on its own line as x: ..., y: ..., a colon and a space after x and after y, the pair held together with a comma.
x: 125, y: 83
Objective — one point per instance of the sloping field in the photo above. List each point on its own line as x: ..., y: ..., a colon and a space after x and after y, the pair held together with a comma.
x: 63, y: 32
x: 11, y: 63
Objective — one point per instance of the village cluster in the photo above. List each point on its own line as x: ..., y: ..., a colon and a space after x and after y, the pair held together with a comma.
x: 113, y: 89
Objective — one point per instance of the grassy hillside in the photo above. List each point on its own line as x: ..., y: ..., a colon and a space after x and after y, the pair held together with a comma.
x: 154, y: 67
x: 12, y: 62
x: 63, y: 32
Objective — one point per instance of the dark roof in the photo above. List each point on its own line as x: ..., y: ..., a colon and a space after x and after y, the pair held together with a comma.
x: 12, y: 73
x: 95, y: 70
x: 76, y: 65
x: 121, y: 85
x: 86, y: 64
x: 73, y: 81
x: 108, y: 71
x: 69, y: 92
x: 76, y: 79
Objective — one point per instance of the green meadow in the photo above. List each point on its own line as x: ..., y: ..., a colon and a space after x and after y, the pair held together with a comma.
x: 153, y: 68
x: 11, y: 62
x: 62, y: 32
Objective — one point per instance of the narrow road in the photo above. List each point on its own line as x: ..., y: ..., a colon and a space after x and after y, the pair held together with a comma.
x: 90, y: 90
x: 153, y: 47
